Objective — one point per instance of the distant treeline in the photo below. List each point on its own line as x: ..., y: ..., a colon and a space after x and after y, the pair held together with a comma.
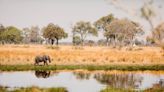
x: 117, y: 32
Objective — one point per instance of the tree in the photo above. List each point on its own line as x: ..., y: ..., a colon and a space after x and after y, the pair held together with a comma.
x: 54, y: 32
x: 158, y: 34
x: 2, y: 29
x: 82, y: 29
x: 35, y: 35
x: 32, y: 35
x: 12, y: 35
x: 123, y: 31
x: 101, y: 24
x: 76, y: 40
x: 26, y: 35
x: 147, y: 10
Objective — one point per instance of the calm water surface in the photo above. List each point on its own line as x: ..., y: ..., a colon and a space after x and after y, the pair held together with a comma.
x: 80, y: 81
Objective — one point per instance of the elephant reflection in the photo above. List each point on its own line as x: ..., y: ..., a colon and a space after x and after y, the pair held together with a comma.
x: 42, y: 74
x: 119, y: 80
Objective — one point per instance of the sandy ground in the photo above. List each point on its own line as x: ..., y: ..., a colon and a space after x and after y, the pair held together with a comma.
x: 70, y: 55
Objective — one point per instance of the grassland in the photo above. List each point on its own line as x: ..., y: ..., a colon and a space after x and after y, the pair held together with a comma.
x: 70, y: 55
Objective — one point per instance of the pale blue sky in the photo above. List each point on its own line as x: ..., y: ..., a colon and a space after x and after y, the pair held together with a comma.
x: 25, y: 13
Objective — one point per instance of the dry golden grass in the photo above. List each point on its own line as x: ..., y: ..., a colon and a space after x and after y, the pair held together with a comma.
x: 69, y: 55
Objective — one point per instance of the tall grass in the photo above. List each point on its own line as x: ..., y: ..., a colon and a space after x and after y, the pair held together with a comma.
x: 67, y: 55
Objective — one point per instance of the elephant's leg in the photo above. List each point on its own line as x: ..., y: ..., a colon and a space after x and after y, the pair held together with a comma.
x: 45, y: 63
x: 36, y: 63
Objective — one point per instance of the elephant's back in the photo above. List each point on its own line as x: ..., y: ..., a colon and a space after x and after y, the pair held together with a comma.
x: 38, y: 58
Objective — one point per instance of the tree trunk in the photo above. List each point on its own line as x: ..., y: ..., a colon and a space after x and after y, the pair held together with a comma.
x: 82, y: 42
x: 107, y: 43
x: 52, y: 41
x: 57, y: 41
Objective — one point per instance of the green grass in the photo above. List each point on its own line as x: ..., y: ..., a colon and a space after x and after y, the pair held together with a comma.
x: 87, y: 67
x: 108, y: 89
x: 34, y: 89
x: 154, y: 90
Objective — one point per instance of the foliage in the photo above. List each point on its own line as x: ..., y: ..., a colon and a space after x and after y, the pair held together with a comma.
x: 32, y: 35
x: 53, y: 32
x: 11, y: 35
x: 148, y: 12
x: 158, y: 33
x: 76, y: 40
x: 123, y: 31
x: 101, y: 24
x: 82, y: 29
x: 2, y: 29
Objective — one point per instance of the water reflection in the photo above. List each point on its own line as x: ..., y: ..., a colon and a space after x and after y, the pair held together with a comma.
x: 83, y: 81
x: 42, y: 74
x: 82, y: 75
x: 159, y: 84
x: 119, y: 80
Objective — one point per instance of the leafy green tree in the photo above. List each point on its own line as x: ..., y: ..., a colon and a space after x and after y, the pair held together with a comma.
x: 54, y: 32
x: 76, y: 40
x: 102, y: 23
x: 12, y: 35
x: 83, y: 29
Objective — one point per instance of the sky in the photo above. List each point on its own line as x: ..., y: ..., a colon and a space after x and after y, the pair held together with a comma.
x: 65, y: 13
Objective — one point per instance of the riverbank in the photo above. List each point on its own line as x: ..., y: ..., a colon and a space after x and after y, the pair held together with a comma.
x: 108, y: 89
x: 85, y: 67
x: 34, y: 89
x: 87, y: 55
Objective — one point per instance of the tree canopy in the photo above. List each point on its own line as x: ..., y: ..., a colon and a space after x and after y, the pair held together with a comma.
x: 157, y: 35
x: 102, y: 23
x: 122, y: 30
x: 82, y: 29
x: 54, y: 32
x: 11, y: 35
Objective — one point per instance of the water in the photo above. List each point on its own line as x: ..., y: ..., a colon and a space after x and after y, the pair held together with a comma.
x: 82, y: 81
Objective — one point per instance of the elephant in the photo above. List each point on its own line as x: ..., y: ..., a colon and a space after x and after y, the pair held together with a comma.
x: 43, y: 58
